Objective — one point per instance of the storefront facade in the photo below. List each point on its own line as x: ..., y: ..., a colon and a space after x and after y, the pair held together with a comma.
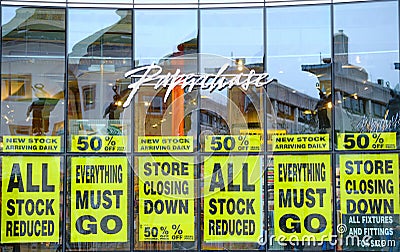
x: 200, y: 125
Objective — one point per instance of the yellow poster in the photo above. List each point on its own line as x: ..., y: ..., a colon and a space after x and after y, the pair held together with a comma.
x: 235, y: 143
x: 99, y: 196
x: 31, y: 143
x: 166, y: 198
x: 366, y: 141
x: 165, y: 144
x: 99, y: 143
x: 300, y: 142
x: 232, y: 199
x: 30, y: 199
x: 369, y: 184
x: 302, y: 197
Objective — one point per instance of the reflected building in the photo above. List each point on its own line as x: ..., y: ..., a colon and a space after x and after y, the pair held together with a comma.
x: 291, y: 111
x: 355, y: 95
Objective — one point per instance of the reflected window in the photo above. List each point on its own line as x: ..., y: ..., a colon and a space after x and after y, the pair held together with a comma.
x: 17, y: 86
x: 89, y: 97
x: 154, y: 104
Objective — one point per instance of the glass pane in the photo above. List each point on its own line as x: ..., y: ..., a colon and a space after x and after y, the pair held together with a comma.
x: 172, y: 48
x: 33, y: 62
x: 32, y: 203
x: 298, y: 58
x: 98, y: 56
x: 367, y: 113
x: 235, y: 112
x: 367, y: 92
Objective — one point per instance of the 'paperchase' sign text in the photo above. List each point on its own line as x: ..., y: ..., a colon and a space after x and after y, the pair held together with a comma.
x: 151, y: 74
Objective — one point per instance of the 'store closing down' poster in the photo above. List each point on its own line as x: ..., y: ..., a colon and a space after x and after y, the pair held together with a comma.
x: 99, y: 196
x: 166, y: 198
x: 232, y: 199
x: 30, y: 199
x: 302, y: 197
x: 369, y: 200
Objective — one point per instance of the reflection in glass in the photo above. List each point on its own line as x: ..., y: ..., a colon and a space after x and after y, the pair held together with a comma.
x: 33, y: 47
x: 230, y: 111
x: 98, y: 58
x: 233, y: 33
x: 172, y: 47
x: 295, y: 47
x: 366, y: 81
x: 177, y: 35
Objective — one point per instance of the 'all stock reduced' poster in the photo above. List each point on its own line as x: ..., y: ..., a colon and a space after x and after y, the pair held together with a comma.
x: 232, y: 199
x: 302, y: 196
x: 369, y: 201
x: 30, y: 199
x: 166, y: 198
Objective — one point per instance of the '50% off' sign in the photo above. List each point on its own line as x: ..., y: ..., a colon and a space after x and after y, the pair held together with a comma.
x: 367, y: 141
x: 235, y: 143
x: 162, y: 233
x: 98, y: 143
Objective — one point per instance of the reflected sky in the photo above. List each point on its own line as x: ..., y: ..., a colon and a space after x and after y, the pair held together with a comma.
x: 372, y: 29
x: 153, y: 41
x: 86, y: 22
x: 294, y: 40
x: 236, y: 33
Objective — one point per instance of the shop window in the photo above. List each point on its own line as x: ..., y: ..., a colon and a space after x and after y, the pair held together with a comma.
x: 378, y: 109
x: 89, y: 97
x: 154, y: 105
x: 206, y: 119
x: 285, y: 111
x: 306, y: 116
